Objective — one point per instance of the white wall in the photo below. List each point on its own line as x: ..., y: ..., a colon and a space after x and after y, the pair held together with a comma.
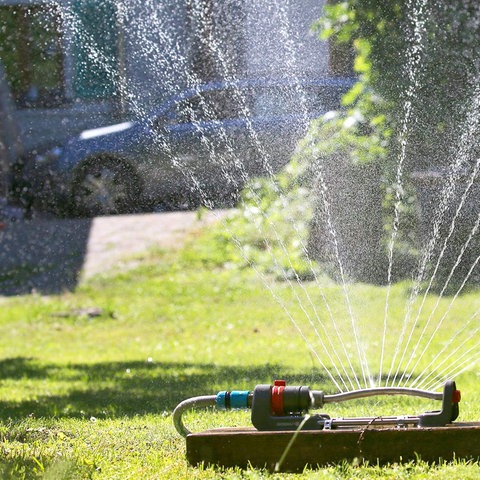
x: 279, y: 39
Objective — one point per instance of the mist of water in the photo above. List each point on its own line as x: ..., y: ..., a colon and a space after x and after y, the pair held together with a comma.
x: 326, y: 335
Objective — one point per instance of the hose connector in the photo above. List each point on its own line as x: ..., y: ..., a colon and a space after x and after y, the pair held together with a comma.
x: 236, y: 399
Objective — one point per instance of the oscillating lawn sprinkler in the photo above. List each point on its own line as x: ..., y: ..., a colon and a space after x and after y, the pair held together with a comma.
x: 279, y: 407
x: 280, y: 417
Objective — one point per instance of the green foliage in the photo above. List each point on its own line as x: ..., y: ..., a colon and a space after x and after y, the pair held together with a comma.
x: 418, y: 53
x: 348, y: 134
x: 270, y: 230
x: 403, y: 57
x: 411, y: 106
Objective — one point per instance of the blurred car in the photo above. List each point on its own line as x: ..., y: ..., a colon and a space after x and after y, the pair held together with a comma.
x: 202, y: 145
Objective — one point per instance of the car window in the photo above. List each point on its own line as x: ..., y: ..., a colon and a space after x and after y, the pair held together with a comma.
x: 208, y: 106
x: 219, y: 105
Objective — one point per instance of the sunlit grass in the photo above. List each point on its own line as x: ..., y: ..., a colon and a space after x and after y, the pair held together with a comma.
x: 91, y: 396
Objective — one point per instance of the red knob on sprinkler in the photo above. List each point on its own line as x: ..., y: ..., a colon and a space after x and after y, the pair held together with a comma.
x: 456, y: 396
x: 278, y: 390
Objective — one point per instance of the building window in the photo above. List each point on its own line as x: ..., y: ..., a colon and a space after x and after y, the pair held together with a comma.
x: 32, y: 55
x: 94, y: 28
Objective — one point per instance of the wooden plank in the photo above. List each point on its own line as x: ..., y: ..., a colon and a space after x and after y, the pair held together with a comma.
x: 247, y: 446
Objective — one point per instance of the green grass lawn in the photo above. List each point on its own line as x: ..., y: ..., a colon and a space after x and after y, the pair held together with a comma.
x: 91, y: 396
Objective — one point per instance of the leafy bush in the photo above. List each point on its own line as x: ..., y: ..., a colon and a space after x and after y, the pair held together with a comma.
x: 347, y: 197
x: 270, y: 229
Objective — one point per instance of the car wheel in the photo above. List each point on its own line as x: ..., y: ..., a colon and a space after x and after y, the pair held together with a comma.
x: 104, y: 186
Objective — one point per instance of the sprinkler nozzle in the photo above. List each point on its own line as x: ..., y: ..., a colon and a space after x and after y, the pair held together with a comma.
x: 281, y: 407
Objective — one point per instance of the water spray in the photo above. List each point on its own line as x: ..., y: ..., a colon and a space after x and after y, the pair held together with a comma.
x: 279, y: 407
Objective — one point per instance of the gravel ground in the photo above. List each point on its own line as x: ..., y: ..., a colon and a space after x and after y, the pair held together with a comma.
x: 52, y: 255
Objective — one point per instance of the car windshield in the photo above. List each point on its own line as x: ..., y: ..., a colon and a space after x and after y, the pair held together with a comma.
x: 210, y: 106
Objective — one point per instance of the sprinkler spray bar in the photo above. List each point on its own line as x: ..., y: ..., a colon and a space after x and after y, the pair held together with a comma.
x: 280, y: 407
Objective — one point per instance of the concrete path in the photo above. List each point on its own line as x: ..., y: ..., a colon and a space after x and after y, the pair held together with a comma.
x: 51, y: 256
x: 113, y: 239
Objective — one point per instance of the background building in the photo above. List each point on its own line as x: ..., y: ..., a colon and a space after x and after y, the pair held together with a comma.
x: 76, y: 64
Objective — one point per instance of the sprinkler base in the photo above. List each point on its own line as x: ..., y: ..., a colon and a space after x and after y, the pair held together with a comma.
x: 243, y: 447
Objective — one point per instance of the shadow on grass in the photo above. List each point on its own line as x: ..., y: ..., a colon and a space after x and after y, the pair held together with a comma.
x: 119, y: 389
x: 42, y: 255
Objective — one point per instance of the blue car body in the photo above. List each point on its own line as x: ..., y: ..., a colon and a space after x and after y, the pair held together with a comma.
x: 205, y: 141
